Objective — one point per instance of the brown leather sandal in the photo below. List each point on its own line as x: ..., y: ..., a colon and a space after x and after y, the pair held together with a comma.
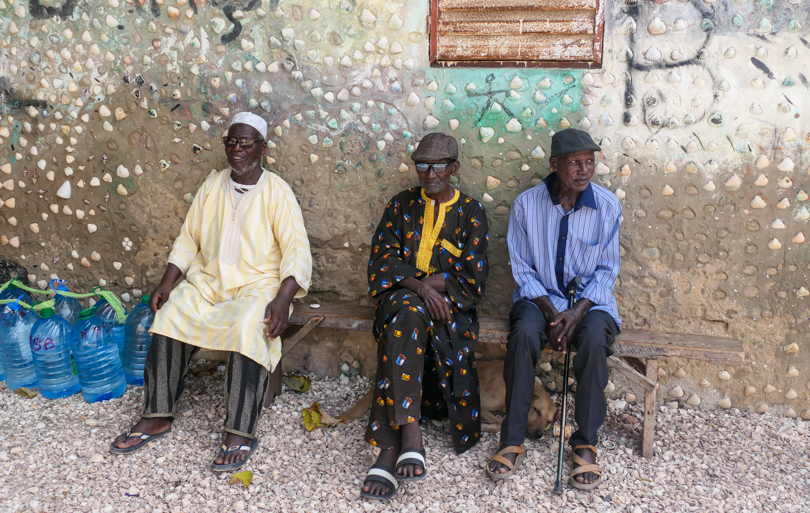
x: 499, y: 457
x: 583, y: 468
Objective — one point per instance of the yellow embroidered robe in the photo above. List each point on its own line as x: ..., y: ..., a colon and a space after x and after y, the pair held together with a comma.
x: 235, y: 259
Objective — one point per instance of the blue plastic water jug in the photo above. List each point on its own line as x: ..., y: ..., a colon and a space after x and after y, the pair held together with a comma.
x: 97, y: 360
x: 11, y: 292
x: 18, y: 361
x: 65, y: 307
x: 138, y: 341
x: 106, y: 314
x: 51, y: 344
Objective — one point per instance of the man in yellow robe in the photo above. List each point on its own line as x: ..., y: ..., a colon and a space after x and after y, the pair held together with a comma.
x: 244, y: 251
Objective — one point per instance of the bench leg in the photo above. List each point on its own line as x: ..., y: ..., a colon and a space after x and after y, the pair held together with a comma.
x: 649, y: 411
x: 273, y: 386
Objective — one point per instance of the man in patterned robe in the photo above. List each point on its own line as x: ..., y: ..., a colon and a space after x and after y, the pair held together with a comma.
x: 426, y: 275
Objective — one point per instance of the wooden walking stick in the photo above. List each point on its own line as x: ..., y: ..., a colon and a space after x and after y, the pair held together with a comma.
x: 572, y: 292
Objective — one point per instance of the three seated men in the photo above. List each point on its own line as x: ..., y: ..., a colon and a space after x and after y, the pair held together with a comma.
x: 245, y: 255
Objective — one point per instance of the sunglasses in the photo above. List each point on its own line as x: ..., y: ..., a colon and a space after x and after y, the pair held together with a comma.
x: 421, y: 167
x: 244, y: 142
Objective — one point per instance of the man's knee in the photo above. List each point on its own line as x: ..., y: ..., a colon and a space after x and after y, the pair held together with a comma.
x: 527, y: 327
x: 595, y: 333
x: 409, y: 308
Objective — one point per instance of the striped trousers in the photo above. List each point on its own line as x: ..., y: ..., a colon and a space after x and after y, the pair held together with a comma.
x: 167, y: 365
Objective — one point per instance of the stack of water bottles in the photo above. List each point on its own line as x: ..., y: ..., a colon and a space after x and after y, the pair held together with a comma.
x: 67, y: 349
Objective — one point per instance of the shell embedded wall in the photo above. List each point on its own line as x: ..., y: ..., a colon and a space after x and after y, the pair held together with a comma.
x: 112, y: 113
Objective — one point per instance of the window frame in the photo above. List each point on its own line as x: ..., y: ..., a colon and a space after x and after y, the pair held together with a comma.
x: 595, y: 63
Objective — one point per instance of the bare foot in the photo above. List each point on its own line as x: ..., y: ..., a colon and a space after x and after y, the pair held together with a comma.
x: 149, y: 426
x: 234, y: 456
x: 499, y: 468
x: 387, y: 457
x: 411, y: 437
x: 590, y: 457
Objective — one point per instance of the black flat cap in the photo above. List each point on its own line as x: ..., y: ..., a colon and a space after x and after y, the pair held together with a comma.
x: 572, y: 140
x: 436, y: 146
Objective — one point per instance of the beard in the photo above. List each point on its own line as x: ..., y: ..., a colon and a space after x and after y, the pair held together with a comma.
x: 247, y: 169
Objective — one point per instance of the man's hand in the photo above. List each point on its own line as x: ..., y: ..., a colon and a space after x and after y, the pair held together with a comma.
x: 161, y: 293
x: 277, y: 311
x: 277, y: 317
x: 546, y: 308
x: 436, y: 281
x: 436, y: 305
x: 159, y: 296
x: 562, y: 329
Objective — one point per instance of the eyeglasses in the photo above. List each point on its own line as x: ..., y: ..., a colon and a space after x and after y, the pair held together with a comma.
x: 243, y: 142
x: 422, y: 167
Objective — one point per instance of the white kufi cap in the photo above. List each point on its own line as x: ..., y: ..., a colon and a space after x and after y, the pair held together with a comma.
x: 248, y: 118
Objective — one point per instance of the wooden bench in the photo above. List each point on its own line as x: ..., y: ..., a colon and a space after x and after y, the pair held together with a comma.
x: 643, y: 345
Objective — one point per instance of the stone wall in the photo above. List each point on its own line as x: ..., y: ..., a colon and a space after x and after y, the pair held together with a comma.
x: 112, y: 113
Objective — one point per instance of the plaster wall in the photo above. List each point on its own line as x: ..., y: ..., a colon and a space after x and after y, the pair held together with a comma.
x: 112, y: 113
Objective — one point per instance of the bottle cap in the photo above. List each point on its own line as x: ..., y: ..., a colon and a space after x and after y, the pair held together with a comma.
x: 15, y: 306
x: 86, y: 314
x: 46, y: 312
x: 145, y: 299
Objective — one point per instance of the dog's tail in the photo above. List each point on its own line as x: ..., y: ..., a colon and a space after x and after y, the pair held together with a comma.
x: 359, y: 409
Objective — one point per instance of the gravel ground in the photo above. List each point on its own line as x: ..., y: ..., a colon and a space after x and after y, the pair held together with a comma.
x: 54, y: 457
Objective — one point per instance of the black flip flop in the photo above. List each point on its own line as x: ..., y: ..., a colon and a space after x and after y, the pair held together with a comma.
x: 227, y: 450
x: 412, y: 456
x: 145, y: 439
x: 381, y: 474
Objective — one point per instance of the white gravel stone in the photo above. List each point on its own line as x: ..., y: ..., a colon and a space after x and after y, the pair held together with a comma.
x: 705, y: 461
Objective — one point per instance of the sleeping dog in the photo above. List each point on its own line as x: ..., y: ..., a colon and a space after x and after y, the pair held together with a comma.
x: 542, y: 414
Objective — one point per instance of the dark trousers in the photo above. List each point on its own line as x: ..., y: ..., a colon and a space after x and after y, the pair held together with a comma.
x: 527, y: 338
x: 164, y: 379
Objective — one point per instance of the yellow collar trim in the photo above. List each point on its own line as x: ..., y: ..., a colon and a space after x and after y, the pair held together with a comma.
x: 431, y: 230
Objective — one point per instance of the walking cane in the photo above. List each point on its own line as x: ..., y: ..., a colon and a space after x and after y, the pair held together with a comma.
x: 572, y: 292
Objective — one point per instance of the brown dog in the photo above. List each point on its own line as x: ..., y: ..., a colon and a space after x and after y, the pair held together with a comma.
x: 542, y: 414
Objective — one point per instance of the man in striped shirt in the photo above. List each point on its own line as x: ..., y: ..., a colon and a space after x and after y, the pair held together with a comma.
x: 563, y: 227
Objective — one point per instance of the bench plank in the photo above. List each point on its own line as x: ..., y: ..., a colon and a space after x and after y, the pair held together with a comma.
x: 494, y: 330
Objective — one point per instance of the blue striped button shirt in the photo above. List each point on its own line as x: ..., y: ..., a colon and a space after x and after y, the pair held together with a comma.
x: 548, y: 246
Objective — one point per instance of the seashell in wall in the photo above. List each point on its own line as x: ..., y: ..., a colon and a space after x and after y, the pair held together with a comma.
x: 625, y: 55
x: 656, y: 27
x: 758, y: 202
x: 764, y: 26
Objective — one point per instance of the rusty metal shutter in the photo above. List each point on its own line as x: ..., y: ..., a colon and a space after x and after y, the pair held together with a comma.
x: 554, y: 33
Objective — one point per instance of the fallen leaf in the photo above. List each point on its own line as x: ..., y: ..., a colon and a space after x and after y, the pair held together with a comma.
x: 25, y: 392
x: 243, y: 478
x: 296, y: 383
x: 315, y: 417
x: 359, y: 409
